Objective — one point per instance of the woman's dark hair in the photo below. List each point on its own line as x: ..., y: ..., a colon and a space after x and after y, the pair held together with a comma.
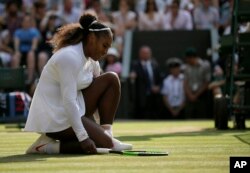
x: 148, y: 3
x: 74, y: 33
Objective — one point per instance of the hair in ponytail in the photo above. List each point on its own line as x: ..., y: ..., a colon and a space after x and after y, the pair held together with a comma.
x: 71, y: 34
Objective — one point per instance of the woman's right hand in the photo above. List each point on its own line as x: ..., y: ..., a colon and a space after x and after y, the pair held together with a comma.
x: 88, y: 146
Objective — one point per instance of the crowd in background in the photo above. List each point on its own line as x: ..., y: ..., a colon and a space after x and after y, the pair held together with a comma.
x: 26, y: 27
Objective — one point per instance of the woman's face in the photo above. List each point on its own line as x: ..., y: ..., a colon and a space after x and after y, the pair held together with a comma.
x: 98, y: 47
x: 151, y: 5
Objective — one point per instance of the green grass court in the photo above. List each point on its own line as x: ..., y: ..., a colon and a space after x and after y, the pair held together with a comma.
x: 194, y: 146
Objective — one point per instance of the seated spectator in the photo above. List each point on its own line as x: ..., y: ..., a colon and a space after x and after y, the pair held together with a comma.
x: 6, y: 52
x: 197, y: 76
x: 124, y: 19
x: 173, y: 90
x: 26, y: 42
x: 176, y: 18
x: 39, y: 11
x: 70, y: 13
x: 184, y: 4
x: 226, y: 9
x: 48, y: 27
x: 111, y: 62
x: 206, y: 16
x: 150, y: 19
x: 12, y: 17
x: 97, y: 7
x: 140, y: 5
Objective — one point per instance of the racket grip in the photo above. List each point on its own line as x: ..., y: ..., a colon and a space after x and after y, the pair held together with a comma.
x: 102, y: 150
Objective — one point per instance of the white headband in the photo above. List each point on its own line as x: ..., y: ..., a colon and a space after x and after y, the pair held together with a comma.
x: 102, y: 29
x: 94, y: 30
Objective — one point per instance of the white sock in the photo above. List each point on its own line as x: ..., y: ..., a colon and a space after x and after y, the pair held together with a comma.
x: 52, y: 148
x: 108, y: 129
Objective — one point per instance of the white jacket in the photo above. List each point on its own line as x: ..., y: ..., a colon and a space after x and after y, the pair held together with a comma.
x: 58, y: 102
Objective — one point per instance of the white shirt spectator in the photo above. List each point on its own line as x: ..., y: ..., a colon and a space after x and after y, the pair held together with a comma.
x: 71, y: 17
x: 141, y: 5
x: 173, y: 89
x: 150, y: 24
x: 182, y: 21
x: 70, y: 12
x: 206, y: 18
x: 184, y: 4
x: 120, y: 19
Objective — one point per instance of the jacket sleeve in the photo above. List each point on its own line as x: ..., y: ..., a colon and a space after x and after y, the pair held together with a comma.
x: 68, y: 65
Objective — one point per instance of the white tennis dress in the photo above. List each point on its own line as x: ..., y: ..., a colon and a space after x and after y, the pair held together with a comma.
x: 58, y: 103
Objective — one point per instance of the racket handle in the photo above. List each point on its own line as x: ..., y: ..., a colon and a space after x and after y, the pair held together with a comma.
x: 102, y: 150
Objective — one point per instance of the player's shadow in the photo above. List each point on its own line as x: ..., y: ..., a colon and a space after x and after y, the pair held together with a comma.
x: 22, y: 158
x: 33, y: 157
x: 204, y: 132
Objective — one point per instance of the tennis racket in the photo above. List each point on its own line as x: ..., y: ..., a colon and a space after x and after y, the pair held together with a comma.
x: 132, y: 152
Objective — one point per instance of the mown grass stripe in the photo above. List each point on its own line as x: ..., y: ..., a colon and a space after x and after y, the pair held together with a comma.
x: 194, y: 146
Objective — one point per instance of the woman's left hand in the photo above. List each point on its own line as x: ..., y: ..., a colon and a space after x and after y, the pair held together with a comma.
x: 88, y: 146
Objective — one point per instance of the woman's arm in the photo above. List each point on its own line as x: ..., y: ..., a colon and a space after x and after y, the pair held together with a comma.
x: 68, y: 65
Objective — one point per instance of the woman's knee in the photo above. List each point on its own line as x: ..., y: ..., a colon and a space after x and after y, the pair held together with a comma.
x: 112, y: 78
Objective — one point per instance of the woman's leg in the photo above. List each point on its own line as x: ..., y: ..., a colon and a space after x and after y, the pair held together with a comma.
x: 42, y: 60
x: 31, y: 66
x: 69, y: 142
x: 103, y: 94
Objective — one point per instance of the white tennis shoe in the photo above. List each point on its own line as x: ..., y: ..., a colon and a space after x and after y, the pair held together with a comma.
x: 119, y: 146
x: 39, y: 146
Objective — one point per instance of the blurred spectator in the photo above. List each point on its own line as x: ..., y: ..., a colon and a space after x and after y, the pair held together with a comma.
x: 226, y: 9
x: 54, y: 5
x: 6, y: 52
x: 25, y: 42
x: 150, y: 19
x: 48, y: 27
x: 111, y: 62
x: 214, y: 3
x: 115, y: 4
x: 141, y: 5
x: 12, y: 17
x: 146, y: 77
x: 197, y: 77
x: 173, y: 90
x: 39, y: 12
x: 206, y: 16
x: 184, y: 4
x: 101, y: 14
x: 2, y: 6
x: 27, y: 6
x: 106, y: 5
x: 124, y: 19
x: 70, y: 13
x: 177, y: 18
